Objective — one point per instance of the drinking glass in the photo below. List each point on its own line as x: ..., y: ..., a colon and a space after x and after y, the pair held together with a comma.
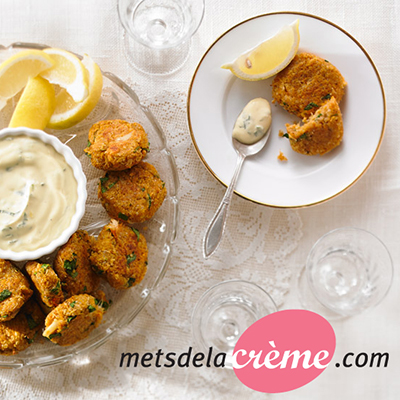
x: 348, y: 270
x: 158, y: 32
x: 225, y: 311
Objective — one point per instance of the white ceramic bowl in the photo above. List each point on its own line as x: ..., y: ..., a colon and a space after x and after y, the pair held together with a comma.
x: 80, y: 177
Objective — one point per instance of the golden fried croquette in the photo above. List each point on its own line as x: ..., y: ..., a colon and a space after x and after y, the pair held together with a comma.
x: 133, y: 195
x: 14, y: 290
x: 47, y: 283
x: 319, y: 134
x: 73, y: 320
x: 120, y: 255
x: 306, y: 84
x: 16, y: 335
x: 116, y: 145
x: 73, y: 267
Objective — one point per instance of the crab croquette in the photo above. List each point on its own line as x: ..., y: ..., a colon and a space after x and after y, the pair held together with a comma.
x: 319, y: 134
x: 14, y: 290
x: 73, y: 267
x: 73, y: 320
x: 46, y: 282
x: 133, y: 195
x: 19, y: 333
x: 116, y: 145
x: 306, y: 84
x: 120, y: 255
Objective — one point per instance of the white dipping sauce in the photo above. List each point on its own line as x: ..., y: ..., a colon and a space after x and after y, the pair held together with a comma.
x: 38, y: 193
x: 253, y: 122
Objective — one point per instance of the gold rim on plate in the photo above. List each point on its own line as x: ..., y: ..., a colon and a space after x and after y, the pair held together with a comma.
x: 310, y: 16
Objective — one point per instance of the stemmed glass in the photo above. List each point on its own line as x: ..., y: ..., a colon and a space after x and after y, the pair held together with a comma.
x: 158, y: 32
x: 225, y: 311
x: 347, y: 271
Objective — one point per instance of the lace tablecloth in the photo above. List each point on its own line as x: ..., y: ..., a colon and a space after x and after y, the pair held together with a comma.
x: 262, y: 245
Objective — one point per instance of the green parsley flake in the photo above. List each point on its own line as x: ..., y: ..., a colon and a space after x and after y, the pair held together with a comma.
x: 53, y: 335
x: 123, y: 216
x: 57, y: 288
x: 326, y: 97
x: 286, y: 135
x: 149, y: 200
x: 72, y: 304
x: 130, y: 258
x: 32, y: 324
x: 5, y: 294
x: 70, y: 267
x: 131, y: 281
x: 45, y: 267
x: 91, y: 308
x: 70, y: 318
x: 136, y: 232
x: 309, y: 106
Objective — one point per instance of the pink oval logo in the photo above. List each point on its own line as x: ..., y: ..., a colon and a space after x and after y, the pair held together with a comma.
x: 284, y: 351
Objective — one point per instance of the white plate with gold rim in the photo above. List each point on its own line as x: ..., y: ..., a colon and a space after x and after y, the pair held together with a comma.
x: 216, y: 98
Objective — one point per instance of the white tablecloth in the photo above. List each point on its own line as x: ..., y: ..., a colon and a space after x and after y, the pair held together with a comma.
x: 274, y: 248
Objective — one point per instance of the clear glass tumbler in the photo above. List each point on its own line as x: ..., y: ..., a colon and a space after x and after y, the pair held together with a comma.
x: 158, y: 32
x: 349, y: 270
x: 225, y: 311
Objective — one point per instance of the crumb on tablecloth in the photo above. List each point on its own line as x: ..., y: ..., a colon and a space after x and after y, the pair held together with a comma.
x: 281, y: 157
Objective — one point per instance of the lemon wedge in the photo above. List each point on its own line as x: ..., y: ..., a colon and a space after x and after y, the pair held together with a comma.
x: 35, y: 106
x: 16, y: 71
x: 269, y: 57
x: 67, y: 72
x: 68, y: 112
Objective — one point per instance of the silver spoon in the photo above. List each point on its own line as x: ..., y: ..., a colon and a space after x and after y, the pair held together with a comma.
x: 215, y: 230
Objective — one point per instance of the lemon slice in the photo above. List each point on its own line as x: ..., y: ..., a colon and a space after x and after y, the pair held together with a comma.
x: 35, y: 106
x: 67, y: 72
x: 269, y: 57
x: 16, y: 71
x: 68, y: 112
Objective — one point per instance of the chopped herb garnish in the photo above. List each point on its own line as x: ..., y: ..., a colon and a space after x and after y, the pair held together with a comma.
x: 143, y: 189
x: 319, y: 115
x: 136, y: 232
x: 103, y: 184
x: 285, y: 104
x: 89, y: 155
x: 130, y: 258
x: 326, y: 61
x: 45, y: 267
x: 5, y: 294
x: 303, y: 136
x: 149, y: 200
x: 147, y: 149
x: 72, y: 304
x: 146, y: 263
x: 70, y: 268
x: 70, y: 318
x: 309, y: 106
x: 97, y: 270
x: 286, y: 135
x: 56, y: 289
x: 88, y: 143
x: 131, y: 281
x: 123, y: 216
x: 163, y: 185
x: 53, y: 335
x: 91, y: 308
x: 326, y: 97
x: 30, y: 341
x: 4, y: 316
x: 31, y: 322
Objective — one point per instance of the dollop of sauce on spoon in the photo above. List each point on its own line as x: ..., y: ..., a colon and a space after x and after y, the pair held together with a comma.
x: 253, y: 121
